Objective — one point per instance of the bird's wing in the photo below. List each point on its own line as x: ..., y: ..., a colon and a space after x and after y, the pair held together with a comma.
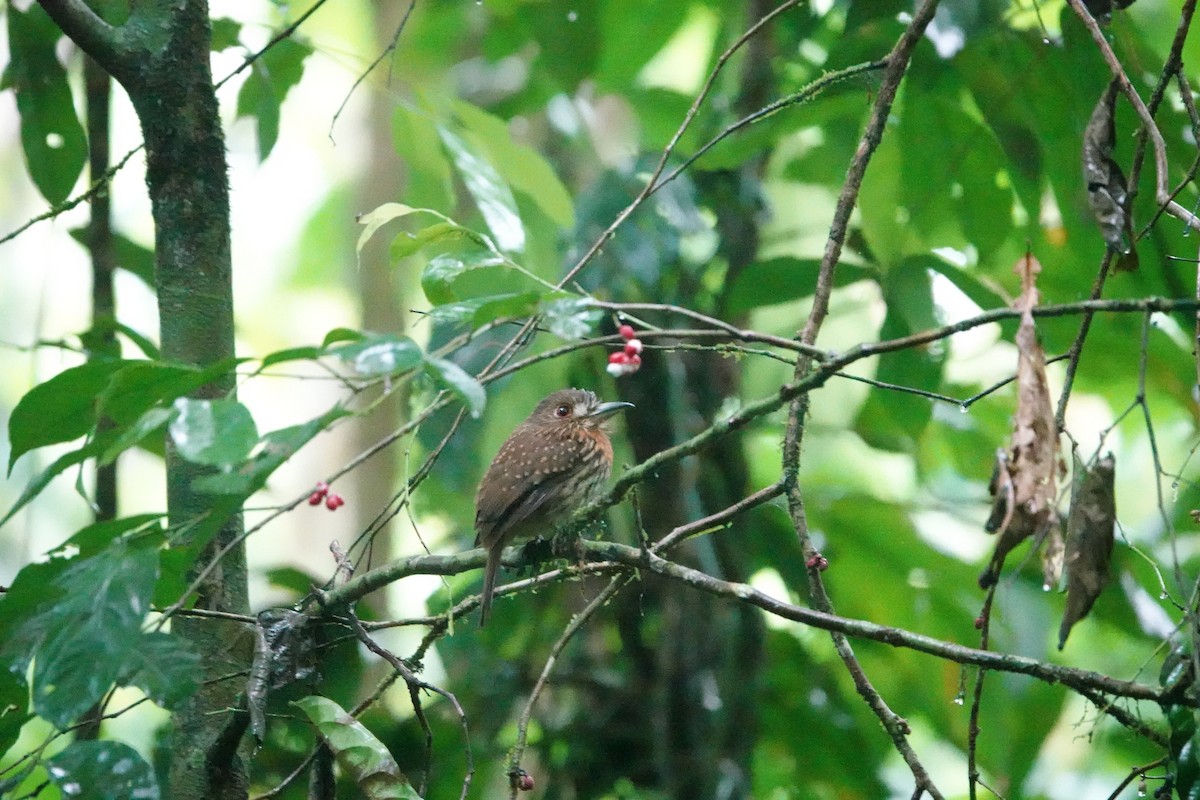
x: 504, y: 510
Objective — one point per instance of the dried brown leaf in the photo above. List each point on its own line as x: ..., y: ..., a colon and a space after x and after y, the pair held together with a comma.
x: 1108, y: 196
x: 1026, y: 481
x: 1053, y: 553
x: 1089, y: 543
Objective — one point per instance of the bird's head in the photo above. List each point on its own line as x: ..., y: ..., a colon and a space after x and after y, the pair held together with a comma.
x: 576, y: 408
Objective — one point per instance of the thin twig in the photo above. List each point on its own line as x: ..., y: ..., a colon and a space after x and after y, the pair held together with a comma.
x: 1162, y: 195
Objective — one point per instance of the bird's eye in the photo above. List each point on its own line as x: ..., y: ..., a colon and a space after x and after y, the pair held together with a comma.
x: 563, y: 411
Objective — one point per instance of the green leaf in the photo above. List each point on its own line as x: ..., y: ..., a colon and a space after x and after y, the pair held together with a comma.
x: 275, y: 447
x: 142, y: 385
x: 164, y: 671
x: 271, y: 77
x: 453, y: 377
x: 405, y: 244
x: 373, y: 220
x: 90, y: 636
x: 94, y: 538
x: 292, y: 354
x: 341, y: 335
x: 14, y: 705
x: 523, y: 167
x: 130, y: 256
x: 892, y: 419
x: 491, y: 193
x: 380, y: 354
x: 225, y: 33
x: 102, y: 770
x: 360, y: 755
x: 443, y: 269
x: 482, y: 310
x: 43, y: 478
x: 219, y: 433
x: 131, y: 435
x: 784, y: 279
x: 60, y: 409
x: 53, y: 140
x: 571, y: 317
x: 426, y: 168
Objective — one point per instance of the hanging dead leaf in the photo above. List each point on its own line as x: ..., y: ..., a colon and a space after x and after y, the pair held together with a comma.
x: 1024, y: 486
x: 1108, y: 196
x: 1089, y: 543
x: 1053, y: 552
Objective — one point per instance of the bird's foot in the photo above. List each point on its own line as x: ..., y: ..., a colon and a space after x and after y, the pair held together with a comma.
x: 537, y: 550
x: 567, y: 544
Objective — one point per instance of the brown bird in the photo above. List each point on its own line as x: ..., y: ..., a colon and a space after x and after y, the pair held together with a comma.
x: 549, y: 467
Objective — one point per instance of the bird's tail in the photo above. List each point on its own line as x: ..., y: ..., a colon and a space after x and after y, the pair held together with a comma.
x: 489, y: 584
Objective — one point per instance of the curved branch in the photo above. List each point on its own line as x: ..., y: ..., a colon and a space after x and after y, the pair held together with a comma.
x: 97, y: 38
x: 614, y: 556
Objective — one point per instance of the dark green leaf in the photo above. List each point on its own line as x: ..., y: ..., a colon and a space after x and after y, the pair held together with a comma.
x: 60, y: 409
x: 90, y: 636
x: 163, y: 666
x: 491, y: 192
x: 102, y: 770
x: 219, y: 433
x: 784, y: 279
x: 453, y: 377
x: 361, y: 756
x: 94, y: 538
x: 53, y: 140
x: 892, y: 419
x: 14, y: 705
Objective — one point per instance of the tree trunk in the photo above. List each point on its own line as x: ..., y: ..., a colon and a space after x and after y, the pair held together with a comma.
x: 161, y: 57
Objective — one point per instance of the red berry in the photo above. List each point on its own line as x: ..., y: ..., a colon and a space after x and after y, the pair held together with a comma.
x: 633, y: 347
x: 626, y: 332
x: 979, y: 623
x: 314, y: 499
x: 521, y: 780
x: 618, y: 358
x: 818, y: 562
x: 322, y: 487
x: 635, y: 361
x: 334, y: 501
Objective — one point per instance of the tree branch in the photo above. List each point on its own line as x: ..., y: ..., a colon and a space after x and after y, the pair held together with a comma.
x: 97, y: 38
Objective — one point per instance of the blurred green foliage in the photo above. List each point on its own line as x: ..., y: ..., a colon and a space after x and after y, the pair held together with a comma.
x: 526, y: 129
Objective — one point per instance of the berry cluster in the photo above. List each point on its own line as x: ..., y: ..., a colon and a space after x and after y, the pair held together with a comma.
x: 627, y: 361
x: 333, y: 500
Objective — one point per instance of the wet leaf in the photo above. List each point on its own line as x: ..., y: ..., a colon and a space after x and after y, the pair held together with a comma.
x: 1089, y: 543
x: 1108, y: 196
x: 102, y: 771
x: 361, y: 756
x: 1024, y: 483
x: 453, y: 377
x: 491, y: 192
x: 219, y: 433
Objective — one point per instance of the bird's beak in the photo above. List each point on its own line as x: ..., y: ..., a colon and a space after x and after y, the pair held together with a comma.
x: 605, y: 410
